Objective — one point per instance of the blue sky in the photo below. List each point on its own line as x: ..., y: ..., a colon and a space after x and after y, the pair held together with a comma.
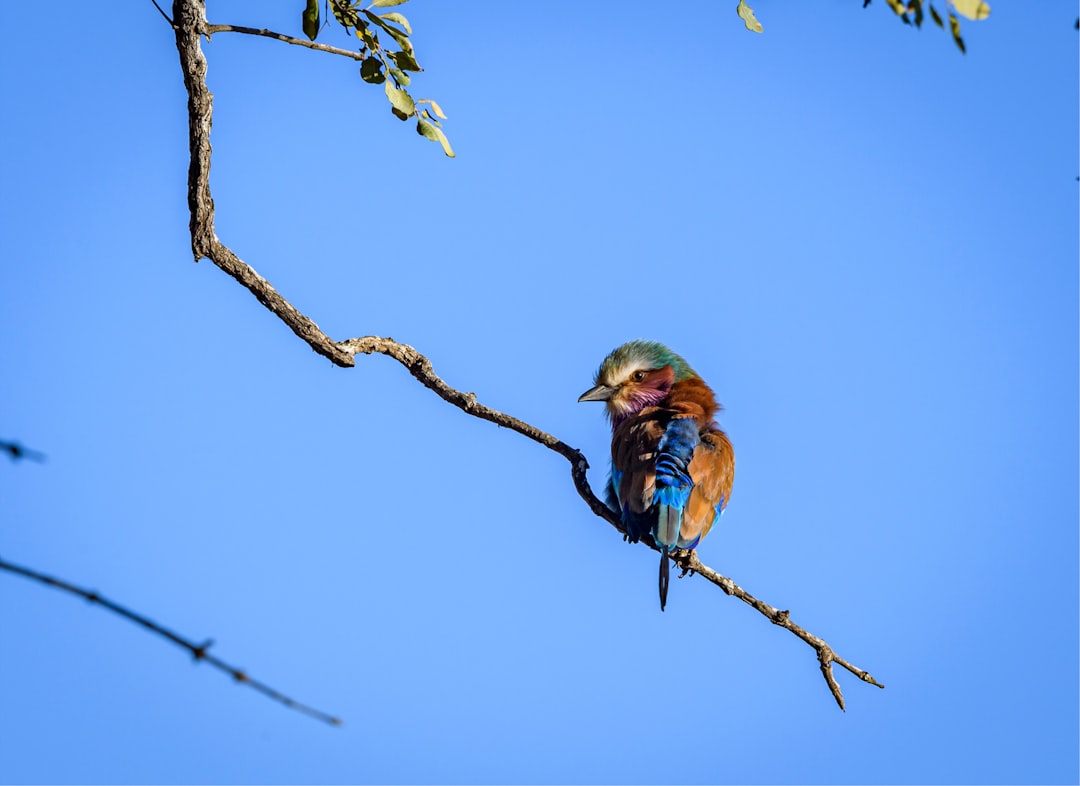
x: 864, y: 241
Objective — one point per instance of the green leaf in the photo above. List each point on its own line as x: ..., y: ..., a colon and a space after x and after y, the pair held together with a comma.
x: 405, y: 61
x: 936, y: 17
x: 365, y: 36
x: 746, y: 13
x: 971, y: 9
x: 344, y: 13
x: 954, y: 26
x: 398, y: 19
x: 435, y: 134
x: 400, y: 37
x: 371, y: 71
x: 310, y: 19
x: 401, y: 77
x: 400, y: 100
x: 915, y: 7
x: 387, y: 3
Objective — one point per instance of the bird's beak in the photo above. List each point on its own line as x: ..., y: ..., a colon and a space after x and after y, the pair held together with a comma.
x: 598, y: 393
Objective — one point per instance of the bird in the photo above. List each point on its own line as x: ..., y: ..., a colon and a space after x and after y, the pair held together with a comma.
x: 672, y: 467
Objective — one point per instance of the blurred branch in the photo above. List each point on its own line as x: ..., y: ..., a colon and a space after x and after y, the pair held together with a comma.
x: 288, y: 39
x: 191, y: 21
x: 17, y: 451
x: 198, y: 651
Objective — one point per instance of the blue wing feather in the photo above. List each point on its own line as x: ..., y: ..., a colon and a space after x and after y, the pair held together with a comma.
x: 673, y: 483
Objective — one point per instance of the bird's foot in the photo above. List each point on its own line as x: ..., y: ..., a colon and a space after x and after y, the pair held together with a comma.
x: 683, y: 558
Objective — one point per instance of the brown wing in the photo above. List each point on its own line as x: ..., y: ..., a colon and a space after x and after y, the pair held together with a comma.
x: 713, y: 471
x: 633, y: 456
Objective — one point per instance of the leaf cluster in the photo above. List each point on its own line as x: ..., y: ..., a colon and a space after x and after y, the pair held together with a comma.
x: 913, y: 13
x: 910, y: 12
x: 387, y: 57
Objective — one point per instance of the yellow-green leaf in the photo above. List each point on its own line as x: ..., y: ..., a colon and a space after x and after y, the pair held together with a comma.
x: 365, y: 36
x: 400, y: 76
x: 971, y: 9
x: 397, y: 35
x: 898, y: 7
x: 310, y: 19
x: 399, y: 99
x: 435, y: 134
x: 387, y: 3
x: 434, y: 107
x: 954, y: 26
x: 344, y: 13
x: 746, y: 13
x: 398, y: 19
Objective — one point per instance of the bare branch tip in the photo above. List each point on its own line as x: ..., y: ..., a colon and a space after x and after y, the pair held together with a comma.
x: 865, y: 677
x: 834, y: 686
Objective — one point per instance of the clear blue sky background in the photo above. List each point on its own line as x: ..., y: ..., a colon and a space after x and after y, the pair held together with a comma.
x: 866, y: 242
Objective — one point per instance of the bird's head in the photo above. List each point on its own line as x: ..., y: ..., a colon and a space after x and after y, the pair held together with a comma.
x: 636, y: 375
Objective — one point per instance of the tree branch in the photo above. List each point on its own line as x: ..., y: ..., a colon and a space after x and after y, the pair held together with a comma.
x: 198, y: 651
x: 288, y: 39
x: 190, y: 16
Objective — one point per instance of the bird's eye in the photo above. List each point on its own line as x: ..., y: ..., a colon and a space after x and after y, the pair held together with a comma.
x: 638, y: 376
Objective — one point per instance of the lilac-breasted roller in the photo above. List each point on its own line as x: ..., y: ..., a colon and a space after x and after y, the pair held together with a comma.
x: 671, y: 465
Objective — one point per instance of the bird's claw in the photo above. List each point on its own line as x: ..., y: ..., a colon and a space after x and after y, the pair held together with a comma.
x: 684, y: 563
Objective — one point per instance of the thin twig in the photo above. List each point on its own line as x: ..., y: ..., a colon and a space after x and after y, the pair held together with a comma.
x: 204, y: 243
x: 288, y: 39
x: 171, y: 24
x: 198, y: 651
